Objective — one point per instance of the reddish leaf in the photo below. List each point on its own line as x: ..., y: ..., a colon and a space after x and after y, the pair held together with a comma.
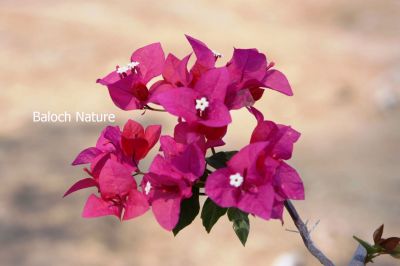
x: 378, y: 234
x: 396, y: 252
x: 390, y: 244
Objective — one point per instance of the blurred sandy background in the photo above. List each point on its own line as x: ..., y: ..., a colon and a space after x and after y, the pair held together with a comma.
x: 342, y: 58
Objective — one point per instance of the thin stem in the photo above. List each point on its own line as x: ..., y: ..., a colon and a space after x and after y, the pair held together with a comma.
x: 138, y: 173
x: 213, y: 150
x: 305, y: 235
x: 147, y: 107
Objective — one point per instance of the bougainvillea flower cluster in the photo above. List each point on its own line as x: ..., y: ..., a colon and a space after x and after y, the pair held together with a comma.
x: 255, y: 180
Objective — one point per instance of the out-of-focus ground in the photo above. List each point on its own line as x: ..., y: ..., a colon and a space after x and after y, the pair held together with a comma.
x: 342, y: 58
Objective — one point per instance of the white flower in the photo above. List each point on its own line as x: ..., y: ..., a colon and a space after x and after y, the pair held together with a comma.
x: 129, y: 66
x: 217, y: 54
x: 132, y: 65
x: 202, y: 104
x: 147, y: 188
x: 123, y: 69
x: 236, y: 180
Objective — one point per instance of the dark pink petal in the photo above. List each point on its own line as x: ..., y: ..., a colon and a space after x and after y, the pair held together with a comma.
x: 152, y: 134
x: 180, y: 102
x: 212, y: 133
x: 214, y: 143
x: 96, y: 207
x: 281, y: 138
x: 135, y: 149
x: 81, y: 184
x: 151, y: 61
x: 122, y: 93
x: 213, y: 83
x: 98, y: 163
x: 246, y: 65
x: 246, y: 157
x: 217, y: 115
x: 257, y: 114
x: 259, y: 203
x: 160, y: 166
x: 277, y: 81
x: 175, y: 70
x: 109, y: 139
x: 267, y: 166
x: 135, y: 205
x: 186, y: 134
x: 284, y: 144
x: 158, y: 88
x: 277, y: 210
x: 289, y: 182
x: 133, y: 129
x: 238, y: 99
x: 115, y: 180
x: 170, y: 147
x: 109, y: 79
x: 256, y: 93
x: 205, y: 56
x: 191, y: 162
x: 166, y: 212
x: 264, y: 131
x: 86, y: 156
x: 169, y: 183
x: 220, y: 191
x: 133, y: 140
x: 113, y: 136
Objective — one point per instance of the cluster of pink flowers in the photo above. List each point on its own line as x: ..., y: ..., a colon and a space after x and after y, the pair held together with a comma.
x: 255, y: 180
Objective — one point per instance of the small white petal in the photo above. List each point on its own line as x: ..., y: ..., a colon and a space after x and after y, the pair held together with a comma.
x: 202, y: 104
x: 236, y: 180
x: 217, y: 54
x: 121, y: 70
x: 147, y: 188
x: 132, y: 64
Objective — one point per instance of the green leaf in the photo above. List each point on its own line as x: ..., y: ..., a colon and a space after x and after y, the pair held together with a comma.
x: 190, y: 208
x: 241, y: 223
x: 370, y: 249
x: 211, y: 213
x: 220, y: 159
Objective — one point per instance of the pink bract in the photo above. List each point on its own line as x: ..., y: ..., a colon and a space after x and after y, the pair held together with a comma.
x: 170, y: 179
x: 257, y: 180
x: 212, y: 88
x: 118, y: 194
x: 129, y: 89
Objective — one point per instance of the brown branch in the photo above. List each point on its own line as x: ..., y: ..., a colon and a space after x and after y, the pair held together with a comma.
x: 305, y: 235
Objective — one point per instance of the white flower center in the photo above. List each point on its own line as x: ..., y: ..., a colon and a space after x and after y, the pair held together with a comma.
x: 147, y: 188
x: 122, y: 70
x: 202, y: 104
x: 235, y: 180
x: 132, y: 64
x: 129, y: 66
x: 217, y: 54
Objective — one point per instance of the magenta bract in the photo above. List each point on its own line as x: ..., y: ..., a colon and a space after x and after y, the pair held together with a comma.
x: 256, y: 180
x: 170, y: 179
x: 127, y: 85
